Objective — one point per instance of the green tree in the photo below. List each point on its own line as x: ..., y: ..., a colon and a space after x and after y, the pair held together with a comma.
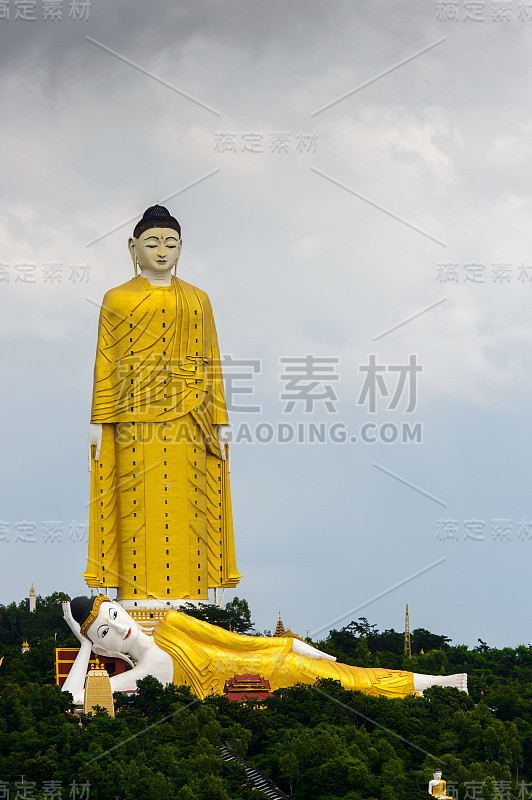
x: 238, y: 739
x: 236, y: 616
x: 289, y: 768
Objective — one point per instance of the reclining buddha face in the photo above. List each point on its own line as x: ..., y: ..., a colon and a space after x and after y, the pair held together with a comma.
x: 113, y: 630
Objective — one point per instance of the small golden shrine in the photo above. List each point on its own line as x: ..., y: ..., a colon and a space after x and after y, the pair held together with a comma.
x: 98, y: 691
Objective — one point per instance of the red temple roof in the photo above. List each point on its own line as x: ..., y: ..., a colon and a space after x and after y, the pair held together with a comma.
x: 247, y: 687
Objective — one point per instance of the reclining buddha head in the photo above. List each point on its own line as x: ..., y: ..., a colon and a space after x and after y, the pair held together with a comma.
x: 108, y: 627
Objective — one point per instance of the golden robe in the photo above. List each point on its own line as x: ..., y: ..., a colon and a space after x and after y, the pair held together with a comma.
x: 160, y: 511
x: 205, y: 656
x: 440, y: 790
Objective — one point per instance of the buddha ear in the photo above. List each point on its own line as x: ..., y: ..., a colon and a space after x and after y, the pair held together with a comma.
x: 131, y: 247
x: 101, y: 651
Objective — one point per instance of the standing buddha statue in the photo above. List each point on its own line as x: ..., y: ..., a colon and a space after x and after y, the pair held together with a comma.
x: 160, y: 527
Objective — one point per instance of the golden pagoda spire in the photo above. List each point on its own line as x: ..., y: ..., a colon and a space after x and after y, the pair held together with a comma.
x: 279, y: 631
x: 408, y: 644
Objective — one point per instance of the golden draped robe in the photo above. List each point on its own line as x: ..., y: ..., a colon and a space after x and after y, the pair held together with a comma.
x: 160, y: 511
x: 440, y: 790
x: 205, y: 656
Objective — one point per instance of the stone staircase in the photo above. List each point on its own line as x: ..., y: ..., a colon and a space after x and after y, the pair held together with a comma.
x: 253, y: 776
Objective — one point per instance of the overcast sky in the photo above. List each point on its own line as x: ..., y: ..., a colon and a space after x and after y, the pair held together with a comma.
x: 341, y: 171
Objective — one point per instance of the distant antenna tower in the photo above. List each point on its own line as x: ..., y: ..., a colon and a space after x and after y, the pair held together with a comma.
x: 408, y: 643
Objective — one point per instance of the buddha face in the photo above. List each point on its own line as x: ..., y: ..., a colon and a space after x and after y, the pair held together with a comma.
x: 157, y: 249
x: 113, y: 630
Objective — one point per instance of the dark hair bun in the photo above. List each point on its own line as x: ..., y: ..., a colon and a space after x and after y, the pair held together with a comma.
x: 156, y: 217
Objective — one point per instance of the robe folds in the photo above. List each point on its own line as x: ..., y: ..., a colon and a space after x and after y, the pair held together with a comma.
x: 160, y: 512
x: 440, y: 790
x: 205, y: 656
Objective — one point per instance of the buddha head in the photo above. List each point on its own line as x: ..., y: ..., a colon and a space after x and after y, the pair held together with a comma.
x: 108, y: 626
x: 437, y: 775
x: 156, y: 241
